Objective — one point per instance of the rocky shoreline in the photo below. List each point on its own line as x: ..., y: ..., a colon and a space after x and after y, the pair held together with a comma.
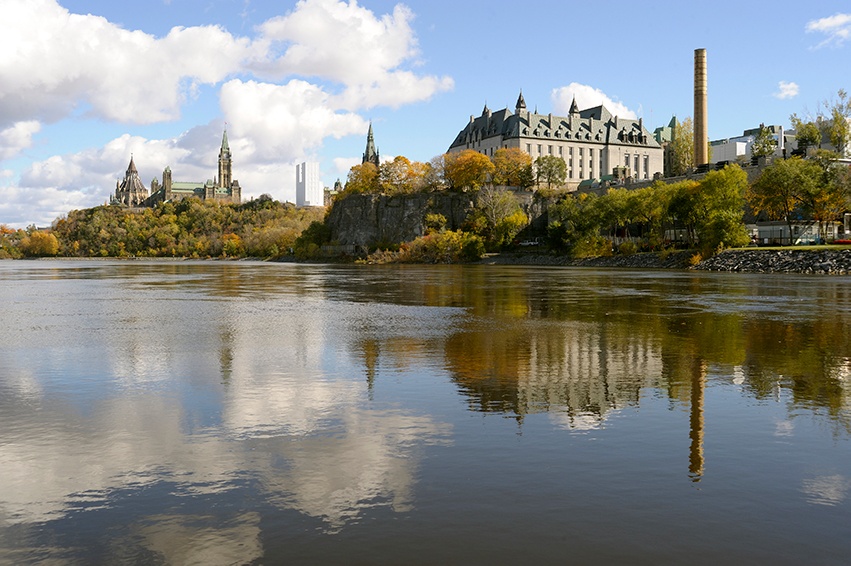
x: 820, y: 261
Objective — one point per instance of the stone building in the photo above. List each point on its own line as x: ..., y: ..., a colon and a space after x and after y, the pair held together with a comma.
x: 223, y: 187
x: 131, y: 191
x: 592, y: 142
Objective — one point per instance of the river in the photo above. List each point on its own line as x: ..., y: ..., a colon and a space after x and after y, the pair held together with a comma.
x: 209, y: 412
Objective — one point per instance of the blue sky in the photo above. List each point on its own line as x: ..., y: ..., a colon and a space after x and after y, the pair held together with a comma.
x: 87, y: 83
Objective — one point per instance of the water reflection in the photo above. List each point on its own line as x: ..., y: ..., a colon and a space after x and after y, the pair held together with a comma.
x: 310, y: 391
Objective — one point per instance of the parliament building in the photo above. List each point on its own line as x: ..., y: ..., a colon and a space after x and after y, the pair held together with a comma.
x: 132, y: 192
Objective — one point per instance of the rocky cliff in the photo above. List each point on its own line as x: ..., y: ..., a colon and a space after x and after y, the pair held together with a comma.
x: 368, y: 220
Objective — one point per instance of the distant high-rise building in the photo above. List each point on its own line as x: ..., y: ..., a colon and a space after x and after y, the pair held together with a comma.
x: 308, y: 186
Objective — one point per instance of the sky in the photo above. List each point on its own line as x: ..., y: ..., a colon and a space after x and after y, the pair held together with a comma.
x: 86, y: 84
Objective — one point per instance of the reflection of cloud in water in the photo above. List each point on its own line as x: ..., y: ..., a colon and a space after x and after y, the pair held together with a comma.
x: 179, y: 540
x: 579, y: 422
x: 784, y: 428
x: 370, y: 462
x: 827, y: 490
x: 70, y: 459
x: 310, y: 443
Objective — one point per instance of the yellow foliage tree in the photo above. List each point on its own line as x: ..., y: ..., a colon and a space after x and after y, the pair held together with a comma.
x: 468, y: 169
x: 362, y: 178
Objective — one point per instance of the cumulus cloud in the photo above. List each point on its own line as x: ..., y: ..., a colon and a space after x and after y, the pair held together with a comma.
x: 56, y: 61
x: 587, y: 97
x: 836, y: 28
x: 349, y: 45
x: 282, y: 122
x: 786, y: 90
x: 297, y: 80
x: 17, y: 137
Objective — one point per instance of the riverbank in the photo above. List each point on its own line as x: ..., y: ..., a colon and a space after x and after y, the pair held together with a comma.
x: 818, y: 261
x: 752, y: 260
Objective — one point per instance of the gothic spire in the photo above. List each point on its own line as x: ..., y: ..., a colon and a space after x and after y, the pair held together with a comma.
x: 371, y: 154
x: 225, y: 146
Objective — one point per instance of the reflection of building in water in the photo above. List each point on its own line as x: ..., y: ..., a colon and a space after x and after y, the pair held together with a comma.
x: 571, y: 367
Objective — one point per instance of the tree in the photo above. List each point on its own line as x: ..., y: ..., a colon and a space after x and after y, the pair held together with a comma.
x: 836, y: 115
x: 40, y: 244
x: 498, y: 217
x: 512, y: 167
x: 779, y: 190
x: 832, y: 121
x: 575, y: 226
x: 720, y: 206
x: 764, y: 144
x: 682, y: 148
x: 807, y: 134
x: 397, y: 176
x: 362, y: 178
x: 551, y: 169
x: 468, y: 169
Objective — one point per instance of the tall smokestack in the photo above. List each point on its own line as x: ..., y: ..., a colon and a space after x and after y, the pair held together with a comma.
x: 701, y: 132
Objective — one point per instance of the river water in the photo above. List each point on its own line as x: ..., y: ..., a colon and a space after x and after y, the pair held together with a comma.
x: 262, y: 413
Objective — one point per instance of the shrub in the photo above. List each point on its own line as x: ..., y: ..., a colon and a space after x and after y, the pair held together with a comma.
x: 441, y: 247
x: 627, y: 248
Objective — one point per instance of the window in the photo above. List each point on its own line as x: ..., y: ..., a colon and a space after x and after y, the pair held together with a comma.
x: 550, y: 149
x: 529, y: 148
x: 626, y: 160
x: 560, y: 151
x: 539, y: 150
x: 646, y: 166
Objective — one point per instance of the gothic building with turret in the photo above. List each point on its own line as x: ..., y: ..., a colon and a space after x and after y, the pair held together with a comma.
x: 133, y: 193
x: 594, y: 144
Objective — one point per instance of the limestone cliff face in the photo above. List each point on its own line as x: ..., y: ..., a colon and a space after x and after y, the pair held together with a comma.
x: 366, y: 220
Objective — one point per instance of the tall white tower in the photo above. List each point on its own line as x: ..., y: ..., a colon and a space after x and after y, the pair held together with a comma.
x: 308, y: 186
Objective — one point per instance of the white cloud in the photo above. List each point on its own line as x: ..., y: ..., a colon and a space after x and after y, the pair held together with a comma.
x: 348, y: 44
x: 837, y: 28
x: 786, y: 90
x: 284, y: 122
x: 326, y: 60
x: 587, y: 97
x: 56, y: 61
x: 17, y: 137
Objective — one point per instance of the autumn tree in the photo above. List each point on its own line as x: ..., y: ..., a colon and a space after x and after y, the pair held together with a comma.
x: 40, y: 244
x: 551, y: 169
x: 397, y: 176
x: 512, y: 167
x: 682, y: 147
x: 362, y: 178
x: 468, y: 169
x: 720, y: 209
x: 778, y: 191
x: 498, y: 217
